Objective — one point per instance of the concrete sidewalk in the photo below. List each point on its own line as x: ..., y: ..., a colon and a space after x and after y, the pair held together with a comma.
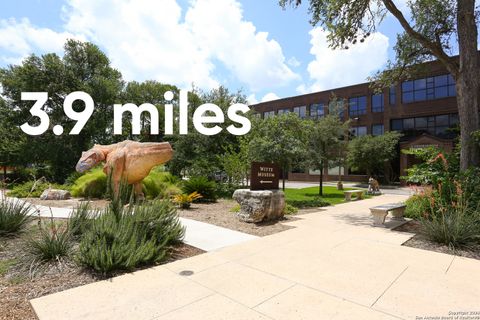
x: 334, y: 265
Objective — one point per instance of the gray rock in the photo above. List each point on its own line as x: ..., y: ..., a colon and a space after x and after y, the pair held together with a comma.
x: 258, y: 206
x: 54, y: 194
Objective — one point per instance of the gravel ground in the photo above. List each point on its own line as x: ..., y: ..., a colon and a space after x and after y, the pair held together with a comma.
x: 220, y: 214
x: 419, y: 241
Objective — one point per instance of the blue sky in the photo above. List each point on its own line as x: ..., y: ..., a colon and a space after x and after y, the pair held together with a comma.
x: 243, y: 44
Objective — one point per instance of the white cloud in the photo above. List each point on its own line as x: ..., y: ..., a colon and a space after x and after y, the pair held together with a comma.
x: 153, y: 40
x: 269, y: 97
x: 18, y: 39
x: 219, y: 29
x: 252, y: 99
x: 336, y: 68
x: 293, y: 62
x: 144, y: 39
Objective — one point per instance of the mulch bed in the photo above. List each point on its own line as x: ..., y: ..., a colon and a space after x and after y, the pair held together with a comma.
x: 19, y: 283
x: 220, y: 214
x: 419, y: 241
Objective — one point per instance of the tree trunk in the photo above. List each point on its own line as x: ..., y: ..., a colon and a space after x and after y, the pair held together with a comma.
x: 283, y: 178
x: 468, y: 84
x: 320, y: 188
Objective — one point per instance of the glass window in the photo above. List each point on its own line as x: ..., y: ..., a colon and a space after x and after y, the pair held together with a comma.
x: 283, y: 111
x: 317, y: 110
x: 268, y: 114
x: 421, y: 123
x: 408, y: 124
x: 358, y: 131
x: 377, y: 129
x: 377, y: 102
x: 336, y: 107
x: 397, y: 125
x: 301, y: 111
x: 358, y: 106
x: 441, y: 120
x: 392, y: 96
x: 428, y: 88
x: 453, y: 119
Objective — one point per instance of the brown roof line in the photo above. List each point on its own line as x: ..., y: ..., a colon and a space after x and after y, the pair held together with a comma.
x: 311, y: 94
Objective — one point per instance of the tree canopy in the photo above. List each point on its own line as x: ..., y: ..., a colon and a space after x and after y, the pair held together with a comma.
x: 431, y: 30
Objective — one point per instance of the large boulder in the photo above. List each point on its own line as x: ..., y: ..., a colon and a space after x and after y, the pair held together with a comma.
x: 258, y: 206
x: 55, y: 194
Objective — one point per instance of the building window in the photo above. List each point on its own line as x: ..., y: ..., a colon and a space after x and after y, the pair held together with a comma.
x: 428, y: 89
x: 358, y: 106
x: 317, y: 111
x: 283, y: 111
x: 435, y: 125
x: 377, y: 102
x: 268, y: 114
x: 358, y: 131
x: 301, y: 112
x: 377, y: 129
x: 392, y: 96
x: 337, y: 107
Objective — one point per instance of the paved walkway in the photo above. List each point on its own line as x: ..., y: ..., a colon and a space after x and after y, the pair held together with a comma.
x: 333, y: 265
x: 198, y: 234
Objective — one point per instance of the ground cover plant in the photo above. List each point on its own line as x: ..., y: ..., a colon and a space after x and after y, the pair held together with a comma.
x: 447, y: 205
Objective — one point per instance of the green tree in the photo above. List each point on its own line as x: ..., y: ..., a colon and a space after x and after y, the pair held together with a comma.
x: 11, y: 140
x: 236, y: 163
x: 371, y: 153
x: 83, y: 68
x: 280, y: 139
x: 325, y: 138
x: 198, y: 154
x: 428, y: 35
x: 147, y: 92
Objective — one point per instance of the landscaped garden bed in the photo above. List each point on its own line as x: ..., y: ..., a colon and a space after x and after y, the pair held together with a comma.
x: 420, y: 241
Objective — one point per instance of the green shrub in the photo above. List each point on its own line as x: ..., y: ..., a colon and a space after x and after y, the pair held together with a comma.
x: 203, y: 186
x: 226, y: 190
x: 123, y: 238
x: 308, y: 203
x: 92, y: 184
x: 160, y: 184
x: 14, y: 216
x: 52, y: 244
x: 418, y: 206
x: 33, y: 188
x: 80, y: 219
x: 289, y: 209
x: 455, y: 227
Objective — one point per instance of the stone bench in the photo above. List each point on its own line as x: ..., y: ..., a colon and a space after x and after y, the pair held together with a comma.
x: 348, y: 194
x: 380, y: 213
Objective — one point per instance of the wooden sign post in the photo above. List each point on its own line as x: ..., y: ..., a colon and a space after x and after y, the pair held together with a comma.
x: 264, y: 176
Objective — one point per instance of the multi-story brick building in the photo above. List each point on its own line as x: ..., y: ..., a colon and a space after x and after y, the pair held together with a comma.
x: 423, y: 109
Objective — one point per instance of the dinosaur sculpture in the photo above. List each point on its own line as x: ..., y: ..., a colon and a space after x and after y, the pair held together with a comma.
x: 128, y: 160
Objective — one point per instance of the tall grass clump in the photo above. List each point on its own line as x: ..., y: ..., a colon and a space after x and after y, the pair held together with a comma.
x: 52, y: 243
x: 14, y: 216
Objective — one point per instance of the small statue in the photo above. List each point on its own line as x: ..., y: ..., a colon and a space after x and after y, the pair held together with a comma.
x: 373, y: 186
x: 129, y: 160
